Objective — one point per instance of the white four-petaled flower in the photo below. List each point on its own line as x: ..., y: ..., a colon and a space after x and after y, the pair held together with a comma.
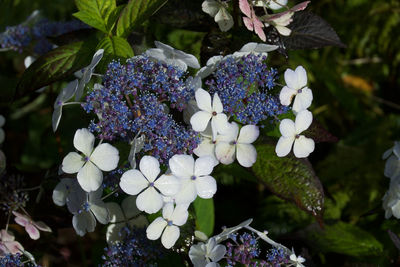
x: 195, y: 177
x: 204, y: 254
x: 89, y: 166
x: 290, y: 131
x: 172, y: 56
x: 232, y: 144
x: 167, y: 225
x: 31, y: 227
x: 65, y: 95
x: 297, y: 260
x: 208, y: 110
x: 218, y: 10
x: 296, y: 86
x: 146, y: 184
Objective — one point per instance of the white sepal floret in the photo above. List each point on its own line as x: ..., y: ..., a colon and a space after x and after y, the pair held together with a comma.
x: 90, y: 165
x: 291, y: 131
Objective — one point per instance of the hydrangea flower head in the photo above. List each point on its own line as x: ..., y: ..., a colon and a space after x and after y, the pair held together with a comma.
x: 132, y: 100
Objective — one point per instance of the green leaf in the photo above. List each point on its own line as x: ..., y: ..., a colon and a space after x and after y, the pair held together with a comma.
x: 290, y: 178
x: 99, y: 14
x: 55, y: 65
x: 204, y: 209
x: 116, y: 46
x: 344, y: 238
x: 135, y: 13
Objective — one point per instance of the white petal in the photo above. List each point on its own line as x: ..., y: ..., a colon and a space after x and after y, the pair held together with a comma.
x: 113, y: 233
x: 219, y: 124
x: 206, y: 186
x: 286, y: 95
x: 84, y: 141
x: 246, y: 155
x: 115, y: 212
x: 182, y: 166
x: 96, y: 58
x: 277, y: 4
x: 249, y: 47
x: 168, y: 210
x: 191, y: 61
x: 90, y: 177
x: 170, y: 236
x: 197, y: 254
x: 133, y: 182
x: 225, y: 152
x: 83, y: 222
x: 156, y: 53
x: 69, y: 91
x: 203, y: 166
x: 199, y: 120
x: 248, y: 134
x: 285, y: 31
x: 301, y: 76
x: 303, y: 146
x: 287, y: 128
x: 284, y: 146
x: 392, y: 167
x: 217, y: 104
x: 149, y: 201
x: 262, y: 48
x: 203, y: 100
x: 62, y: 190
x: 150, y: 167
x: 217, y: 252
x: 154, y: 230
x: 224, y: 20
x: 303, y: 121
x: 211, y: 7
x: 129, y: 208
x: 187, y: 194
x: 105, y: 156
x: 205, y: 148
x: 72, y: 163
x: 100, y: 211
x: 168, y: 184
x: 303, y: 100
x: 55, y: 118
x: 177, y: 63
x: 291, y: 79
x: 180, y: 215
x: 166, y: 48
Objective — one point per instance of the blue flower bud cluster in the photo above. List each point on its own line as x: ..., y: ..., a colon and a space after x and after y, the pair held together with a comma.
x: 277, y: 257
x: 244, y: 249
x: 10, y: 197
x: 138, y: 98
x: 21, y: 36
x: 134, y: 250
x: 244, y: 87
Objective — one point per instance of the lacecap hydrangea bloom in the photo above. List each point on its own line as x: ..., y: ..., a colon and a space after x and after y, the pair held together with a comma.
x: 133, y: 101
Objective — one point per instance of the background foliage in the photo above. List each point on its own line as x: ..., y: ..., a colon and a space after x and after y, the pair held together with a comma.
x: 356, y: 100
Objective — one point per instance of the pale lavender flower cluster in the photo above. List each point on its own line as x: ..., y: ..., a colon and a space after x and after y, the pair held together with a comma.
x: 243, y: 85
x: 135, y: 99
x: 243, y: 250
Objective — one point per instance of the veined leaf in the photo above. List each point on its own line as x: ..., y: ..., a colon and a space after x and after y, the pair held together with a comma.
x: 290, y: 178
x: 55, y: 65
x: 310, y: 31
x: 204, y: 209
x: 344, y: 238
x: 135, y: 13
x: 99, y: 14
x: 116, y: 46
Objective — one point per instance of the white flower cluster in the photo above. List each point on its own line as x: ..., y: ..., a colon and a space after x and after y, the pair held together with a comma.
x: 296, y: 87
x: 391, y: 200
